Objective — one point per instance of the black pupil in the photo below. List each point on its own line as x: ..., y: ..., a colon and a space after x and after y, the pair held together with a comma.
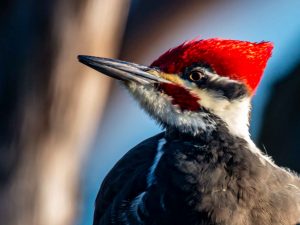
x: 195, y: 76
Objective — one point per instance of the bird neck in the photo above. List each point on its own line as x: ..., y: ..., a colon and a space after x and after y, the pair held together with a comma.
x: 233, y: 113
x: 235, y: 117
x: 233, y: 123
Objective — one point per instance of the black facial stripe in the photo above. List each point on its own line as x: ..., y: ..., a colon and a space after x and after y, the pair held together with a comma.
x: 225, y: 88
x: 228, y: 89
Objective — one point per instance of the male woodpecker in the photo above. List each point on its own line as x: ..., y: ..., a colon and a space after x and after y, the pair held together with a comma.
x: 204, y: 169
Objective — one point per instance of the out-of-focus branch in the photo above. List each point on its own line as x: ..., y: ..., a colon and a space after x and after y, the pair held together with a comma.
x: 57, y: 102
x: 281, y: 127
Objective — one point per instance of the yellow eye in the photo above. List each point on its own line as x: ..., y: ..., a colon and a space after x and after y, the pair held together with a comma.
x: 195, y: 76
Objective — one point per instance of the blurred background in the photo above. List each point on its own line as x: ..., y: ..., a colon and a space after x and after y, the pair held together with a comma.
x: 63, y: 125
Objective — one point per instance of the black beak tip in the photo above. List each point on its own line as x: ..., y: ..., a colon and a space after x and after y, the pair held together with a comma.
x: 83, y: 58
x: 91, y: 61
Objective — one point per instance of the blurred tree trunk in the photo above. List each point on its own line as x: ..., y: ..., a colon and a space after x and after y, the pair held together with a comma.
x: 280, y: 134
x: 49, y: 103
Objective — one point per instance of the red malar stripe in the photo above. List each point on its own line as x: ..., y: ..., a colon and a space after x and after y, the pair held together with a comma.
x: 180, y: 96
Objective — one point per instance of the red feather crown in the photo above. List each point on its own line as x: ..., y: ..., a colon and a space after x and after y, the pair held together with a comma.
x: 239, y: 60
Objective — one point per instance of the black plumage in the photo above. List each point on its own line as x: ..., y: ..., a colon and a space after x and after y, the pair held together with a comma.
x: 211, y: 180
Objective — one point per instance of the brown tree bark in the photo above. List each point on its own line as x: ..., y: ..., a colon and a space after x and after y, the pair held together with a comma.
x: 50, y: 104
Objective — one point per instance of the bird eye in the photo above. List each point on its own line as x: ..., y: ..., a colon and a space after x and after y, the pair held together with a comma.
x: 197, y: 76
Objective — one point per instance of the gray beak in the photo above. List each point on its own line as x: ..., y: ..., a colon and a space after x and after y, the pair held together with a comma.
x: 122, y: 70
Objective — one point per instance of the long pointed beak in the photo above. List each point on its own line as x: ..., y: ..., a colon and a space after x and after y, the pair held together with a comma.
x: 122, y: 70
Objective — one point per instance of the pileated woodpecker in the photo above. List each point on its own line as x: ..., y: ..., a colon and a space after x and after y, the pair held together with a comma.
x: 204, y: 169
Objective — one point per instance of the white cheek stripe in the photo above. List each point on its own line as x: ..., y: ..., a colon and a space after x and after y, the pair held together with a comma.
x: 159, y: 153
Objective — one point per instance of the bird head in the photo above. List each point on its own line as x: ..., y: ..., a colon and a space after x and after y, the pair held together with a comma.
x: 196, y: 84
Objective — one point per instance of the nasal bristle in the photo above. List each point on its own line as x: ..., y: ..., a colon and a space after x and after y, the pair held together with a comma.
x: 239, y: 60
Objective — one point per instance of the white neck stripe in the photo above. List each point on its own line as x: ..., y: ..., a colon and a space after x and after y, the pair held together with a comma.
x: 159, y: 153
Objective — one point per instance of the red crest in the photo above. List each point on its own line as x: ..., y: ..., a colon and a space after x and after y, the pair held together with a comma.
x: 239, y: 60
